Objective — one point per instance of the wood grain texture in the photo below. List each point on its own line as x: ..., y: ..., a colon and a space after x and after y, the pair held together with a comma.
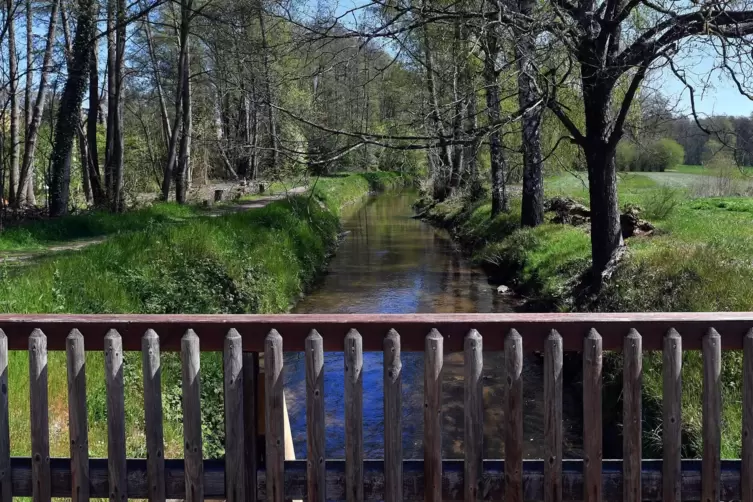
x: 190, y: 362
x: 433, y: 364
x: 315, y: 432
x: 116, y: 445
x: 235, y: 451
x: 78, y: 423
x: 712, y: 414
x: 40, y: 425
x: 274, y: 422
x: 553, y: 361
x: 632, y: 377
x: 250, y: 430
x: 534, y: 328
x: 747, y: 454
x: 514, y: 417
x: 473, y: 401
x: 155, y: 443
x: 592, y: 427
x: 672, y: 417
x: 413, y: 471
x: 5, y: 468
x: 393, y: 418
x: 353, y: 356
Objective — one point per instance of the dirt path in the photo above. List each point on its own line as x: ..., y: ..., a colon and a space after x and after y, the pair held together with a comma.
x: 77, y: 245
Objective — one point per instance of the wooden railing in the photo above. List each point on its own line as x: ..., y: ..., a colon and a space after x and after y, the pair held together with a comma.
x: 242, y: 338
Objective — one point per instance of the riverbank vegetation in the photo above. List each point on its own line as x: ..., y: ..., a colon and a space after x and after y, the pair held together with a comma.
x: 256, y: 261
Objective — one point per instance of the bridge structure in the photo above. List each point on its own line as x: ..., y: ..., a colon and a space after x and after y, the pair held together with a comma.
x: 253, y: 473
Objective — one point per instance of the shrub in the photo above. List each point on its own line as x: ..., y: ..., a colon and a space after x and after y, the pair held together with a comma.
x: 660, y: 156
x: 625, y: 156
x: 660, y: 203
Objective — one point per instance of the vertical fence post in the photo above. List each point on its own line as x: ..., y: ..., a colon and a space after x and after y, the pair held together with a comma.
x: 235, y: 469
x: 393, y: 424
x: 553, y: 417
x: 353, y: 416
x: 250, y: 433
x: 592, y: 449
x: 747, y: 461
x: 155, y: 446
x: 78, y: 424
x: 116, y: 451
x: 631, y: 416
x: 712, y: 414
x: 672, y: 417
x: 6, y: 493
x: 274, y: 417
x: 514, y: 417
x: 473, y: 414
x: 315, y: 432
x: 40, y: 429
x: 190, y: 356
x: 433, y: 362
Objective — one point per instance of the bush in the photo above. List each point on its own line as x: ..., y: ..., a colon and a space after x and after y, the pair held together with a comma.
x: 657, y: 156
x: 660, y: 203
x: 625, y: 156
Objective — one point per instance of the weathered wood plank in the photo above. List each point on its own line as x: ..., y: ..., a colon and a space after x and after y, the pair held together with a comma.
x: 192, y: 444
x: 672, y: 417
x: 235, y: 451
x: 274, y: 400
x: 632, y: 376
x: 473, y: 414
x: 315, y: 432
x: 5, y: 468
x: 78, y: 423
x: 393, y: 418
x: 592, y: 440
x: 452, y: 480
x: 747, y: 457
x: 712, y: 414
x: 433, y: 363
x: 534, y: 327
x: 353, y: 357
x: 553, y: 361
x: 116, y: 447
x: 250, y: 434
x: 514, y: 417
x: 155, y: 443
x: 40, y: 428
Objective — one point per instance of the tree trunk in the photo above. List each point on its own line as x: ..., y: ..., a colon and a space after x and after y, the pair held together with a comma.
x: 98, y: 191
x: 15, y: 145
x: 112, y: 110
x: 68, y: 116
x: 497, y: 160
x: 532, y: 213
x: 184, y: 160
x: 118, y: 204
x: 445, y: 154
x: 166, y: 130
x: 271, y: 114
x: 26, y: 181
x: 606, y: 233
x: 29, y: 65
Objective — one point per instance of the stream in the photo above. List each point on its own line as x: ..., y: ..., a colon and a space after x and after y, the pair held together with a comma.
x: 389, y: 262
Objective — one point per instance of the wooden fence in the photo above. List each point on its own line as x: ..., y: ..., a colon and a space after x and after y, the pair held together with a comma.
x: 243, y: 476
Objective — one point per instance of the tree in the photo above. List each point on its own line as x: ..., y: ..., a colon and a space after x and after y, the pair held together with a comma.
x: 14, y: 101
x: 607, y: 47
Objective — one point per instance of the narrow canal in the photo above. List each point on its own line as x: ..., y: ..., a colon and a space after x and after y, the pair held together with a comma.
x: 391, y: 263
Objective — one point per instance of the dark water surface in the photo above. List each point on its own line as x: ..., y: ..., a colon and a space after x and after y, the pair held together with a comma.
x: 392, y: 263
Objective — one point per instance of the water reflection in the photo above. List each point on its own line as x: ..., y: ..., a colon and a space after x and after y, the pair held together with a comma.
x: 392, y: 263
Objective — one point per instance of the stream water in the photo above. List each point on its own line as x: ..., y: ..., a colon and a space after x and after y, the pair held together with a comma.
x: 391, y: 263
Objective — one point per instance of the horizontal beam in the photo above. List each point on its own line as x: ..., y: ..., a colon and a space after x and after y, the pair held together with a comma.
x: 413, y: 482
x: 412, y: 328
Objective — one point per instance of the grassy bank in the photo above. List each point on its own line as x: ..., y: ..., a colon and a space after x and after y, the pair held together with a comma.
x: 257, y: 261
x: 698, y: 260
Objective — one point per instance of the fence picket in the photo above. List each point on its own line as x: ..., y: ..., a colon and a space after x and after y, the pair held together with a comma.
x: 78, y: 424
x: 353, y: 416
x: 514, y: 417
x: 712, y: 414
x: 592, y: 449
x: 315, y: 432
x: 116, y: 450
x: 433, y: 362
x: 274, y: 400
x: 190, y: 362
x: 155, y: 444
x: 250, y: 432
x: 672, y: 417
x: 553, y: 417
x: 631, y: 416
x: 746, y: 474
x: 6, y: 487
x: 474, y: 415
x: 393, y: 423
x: 235, y: 469
x: 40, y: 428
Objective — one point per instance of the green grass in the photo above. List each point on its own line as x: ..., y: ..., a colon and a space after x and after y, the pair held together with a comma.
x: 699, y: 260
x: 256, y: 261
x: 709, y: 171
